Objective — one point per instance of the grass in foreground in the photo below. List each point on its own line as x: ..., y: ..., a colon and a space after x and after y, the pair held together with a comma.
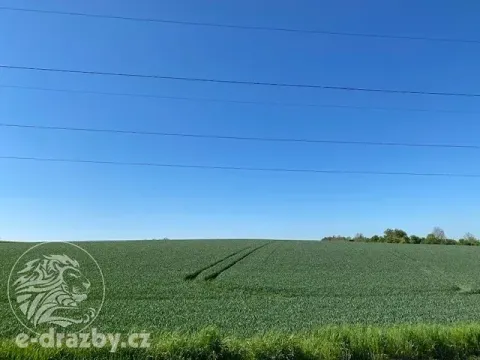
x: 352, y: 342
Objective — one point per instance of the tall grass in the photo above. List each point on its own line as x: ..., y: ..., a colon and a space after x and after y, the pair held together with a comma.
x: 330, y: 343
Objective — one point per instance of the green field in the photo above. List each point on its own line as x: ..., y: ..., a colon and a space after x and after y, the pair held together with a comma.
x: 256, y: 288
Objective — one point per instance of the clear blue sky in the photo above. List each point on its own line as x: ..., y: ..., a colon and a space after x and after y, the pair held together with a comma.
x: 47, y: 201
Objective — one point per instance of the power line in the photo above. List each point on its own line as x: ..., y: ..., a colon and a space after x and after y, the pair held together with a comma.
x: 238, y: 82
x: 240, y: 138
x: 243, y: 27
x: 230, y: 101
x: 235, y: 168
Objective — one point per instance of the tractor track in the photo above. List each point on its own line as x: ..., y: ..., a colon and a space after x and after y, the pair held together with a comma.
x: 195, y: 274
x: 214, y: 275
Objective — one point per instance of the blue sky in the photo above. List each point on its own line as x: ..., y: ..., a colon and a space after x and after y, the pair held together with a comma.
x: 52, y: 201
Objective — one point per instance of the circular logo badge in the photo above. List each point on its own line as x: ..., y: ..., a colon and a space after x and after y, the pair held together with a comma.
x: 56, y: 285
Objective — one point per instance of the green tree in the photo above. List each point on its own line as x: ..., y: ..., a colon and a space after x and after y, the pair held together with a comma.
x: 414, y: 239
x: 432, y: 239
x: 335, y: 238
x: 437, y: 236
x: 439, y: 233
x: 359, y: 238
x: 469, y: 239
x: 396, y: 236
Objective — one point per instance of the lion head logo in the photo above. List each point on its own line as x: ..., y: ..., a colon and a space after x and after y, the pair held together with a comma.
x: 50, y: 289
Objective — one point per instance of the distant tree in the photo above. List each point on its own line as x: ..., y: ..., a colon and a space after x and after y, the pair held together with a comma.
x: 437, y: 236
x: 469, y: 239
x: 439, y: 233
x: 469, y: 236
x: 335, y: 238
x: 401, y: 233
x: 389, y: 235
x: 396, y: 236
x: 432, y: 239
x: 414, y: 239
x: 359, y: 238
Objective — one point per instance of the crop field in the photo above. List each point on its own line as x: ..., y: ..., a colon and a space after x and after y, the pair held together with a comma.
x: 249, y: 289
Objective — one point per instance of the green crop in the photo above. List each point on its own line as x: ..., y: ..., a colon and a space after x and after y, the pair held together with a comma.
x: 251, y: 288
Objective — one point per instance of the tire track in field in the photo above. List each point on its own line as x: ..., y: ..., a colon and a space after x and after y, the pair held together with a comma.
x: 270, y: 254
x: 194, y: 275
x: 214, y: 275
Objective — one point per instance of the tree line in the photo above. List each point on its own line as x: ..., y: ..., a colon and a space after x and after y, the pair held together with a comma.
x: 398, y: 236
